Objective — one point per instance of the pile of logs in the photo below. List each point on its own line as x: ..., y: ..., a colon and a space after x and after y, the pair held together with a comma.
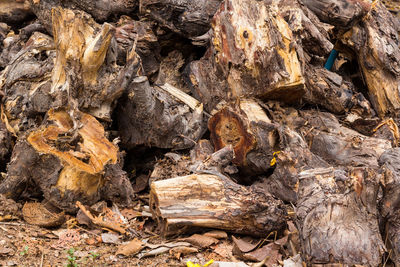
x: 244, y: 98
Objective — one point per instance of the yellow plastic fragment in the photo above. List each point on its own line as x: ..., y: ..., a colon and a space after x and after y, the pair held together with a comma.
x: 191, y: 264
x: 273, y: 160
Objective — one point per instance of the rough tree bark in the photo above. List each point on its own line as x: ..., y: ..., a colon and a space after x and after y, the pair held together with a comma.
x: 390, y: 203
x: 252, y: 53
x: 375, y: 41
x: 162, y: 116
x: 337, y: 216
x: 186, y: 17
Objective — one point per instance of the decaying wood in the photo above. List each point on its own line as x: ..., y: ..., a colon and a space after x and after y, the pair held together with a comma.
x: 162, y: 116
x: 247, y: 37
x: 66, y: 169
x: 341, y: 13
x: 213, y: 201
x: 293, y: 157
x: 330, y: 91
x: 375, y: 41
x: 246, y: 127
x: 389, y: 207
x: 14, y: 12
x: 337, y: 216
x: 186, y: 17
x: 337, y: 144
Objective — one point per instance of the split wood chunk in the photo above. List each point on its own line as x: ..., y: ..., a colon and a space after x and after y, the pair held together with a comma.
x: 14, y: 12
x: 252, y: 54
x: 67, y: 166
x: 390, y: 203
x: 337, y: 216
x: 376, y: 41
x: 186, y: 17
x: 341, y: 13
x: 246, y: 127
x: 184, y: 203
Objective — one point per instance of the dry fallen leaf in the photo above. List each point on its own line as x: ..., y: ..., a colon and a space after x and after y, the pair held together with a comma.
x: 217, y: 234
x: 182, y: 250
x: 132, y: 248
x: 201, y: 240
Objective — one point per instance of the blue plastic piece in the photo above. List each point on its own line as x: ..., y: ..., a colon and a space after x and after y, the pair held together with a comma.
x: 331, y: 59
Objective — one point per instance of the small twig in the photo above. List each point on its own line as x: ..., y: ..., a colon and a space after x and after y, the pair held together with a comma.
x: 41, y: 261
x: 12, y: 223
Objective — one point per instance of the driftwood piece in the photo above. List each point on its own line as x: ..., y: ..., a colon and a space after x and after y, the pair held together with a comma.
x: 186, y: 17
x: 67, y: 166
x: 390, y: 202
x: 337, y: 216
x: 14, y: 12
x: 214, y: 201
x: 247, y: 37
x: 246, y: 127
x: 375, y: 41
x: 341, y: 13
x: 162, y: 116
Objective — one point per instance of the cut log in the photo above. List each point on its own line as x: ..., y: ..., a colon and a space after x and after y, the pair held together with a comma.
x: 294, y: 157
x: 311, y: 34
x: 390, y: 202
x: 100, y: 10
x: 67, y: 168
x: 341, y: 13
x: 337, y: 216
x: 252, y: 54
x: 186, y: 17
x: 162, y: 116
x: 246, y: 127
x: 338, y: 145
x: 330, y: 91
x: 375, y: 41
x: 184, y: 203
x: 26, y: 83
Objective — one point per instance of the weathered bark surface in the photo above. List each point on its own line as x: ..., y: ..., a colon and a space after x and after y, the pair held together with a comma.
x: 390, y: 202
x: 375, y: 40
x: 294, y: 157
x: 337, y: 216
x: 246, y: 127
x: 311, y: 34
x: 186, y: 17
x: 129, y: 31
x: 341, y: 13
x: 338, y: 145
x: 66, y: 168
x: 330, y: 91
x: 14, y: 12
x: 214, y: 201
x: 247, y: 37
x: 100, y: 10
x: 162, y: 116
x: 26, y: 83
